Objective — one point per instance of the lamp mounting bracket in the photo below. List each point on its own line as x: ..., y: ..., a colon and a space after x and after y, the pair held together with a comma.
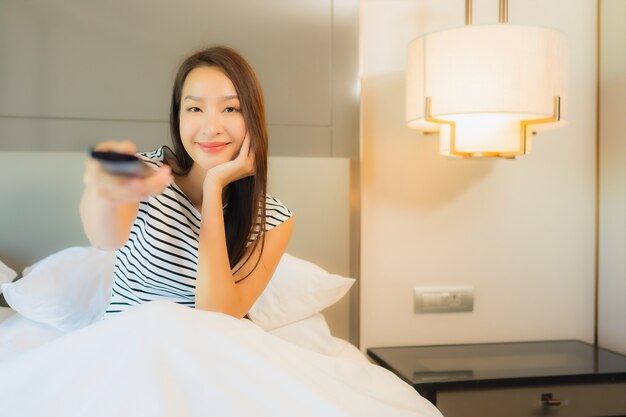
x: 503, y: 12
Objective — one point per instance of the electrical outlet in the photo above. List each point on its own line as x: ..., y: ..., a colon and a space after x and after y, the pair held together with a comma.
x: 444, y: 299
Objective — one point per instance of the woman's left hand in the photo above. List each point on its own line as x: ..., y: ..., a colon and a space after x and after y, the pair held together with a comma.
x: 242, y: 166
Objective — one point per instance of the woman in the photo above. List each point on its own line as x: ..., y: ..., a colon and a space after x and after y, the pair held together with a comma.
x: 190, y: 232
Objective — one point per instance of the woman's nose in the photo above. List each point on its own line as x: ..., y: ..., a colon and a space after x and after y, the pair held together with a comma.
x: 211, y: 123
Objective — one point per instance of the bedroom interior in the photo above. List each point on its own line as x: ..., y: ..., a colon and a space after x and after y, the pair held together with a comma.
x: 539, y: 239
x: 313, y: 121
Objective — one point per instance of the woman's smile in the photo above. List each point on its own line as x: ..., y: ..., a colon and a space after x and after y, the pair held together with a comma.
x: 213, y: 147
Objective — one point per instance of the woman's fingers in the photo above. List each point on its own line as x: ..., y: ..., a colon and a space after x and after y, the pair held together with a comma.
x: 118, y: 189
x: 242, y: 165
x: 157, y: 182
x: 124, y: 190
x: 244, y: 151
x: 246, y: 156
x: 121, y: 146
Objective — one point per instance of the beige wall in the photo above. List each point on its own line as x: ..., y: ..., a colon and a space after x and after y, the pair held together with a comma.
x: 612, y: 242
x: 73, y: 73
x: 521, y: 232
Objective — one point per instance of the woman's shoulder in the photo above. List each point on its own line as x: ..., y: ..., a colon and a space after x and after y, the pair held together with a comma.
x: 155, y: 157
x: 275, y: 212
x: 274, y: 204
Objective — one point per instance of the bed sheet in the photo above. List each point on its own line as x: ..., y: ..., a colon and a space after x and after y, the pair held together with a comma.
x: 163, y: 359
x: 18, y: 334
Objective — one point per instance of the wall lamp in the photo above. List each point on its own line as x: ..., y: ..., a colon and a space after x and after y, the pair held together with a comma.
x: 486, y: 88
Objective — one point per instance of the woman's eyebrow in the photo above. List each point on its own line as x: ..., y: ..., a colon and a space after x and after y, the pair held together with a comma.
x: 223, y: 98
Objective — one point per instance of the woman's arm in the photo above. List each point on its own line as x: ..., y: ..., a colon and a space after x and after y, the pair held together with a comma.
x: 216, y: 285
x: 109, y: 203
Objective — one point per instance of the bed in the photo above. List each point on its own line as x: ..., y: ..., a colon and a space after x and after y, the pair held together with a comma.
x: 291, y: 357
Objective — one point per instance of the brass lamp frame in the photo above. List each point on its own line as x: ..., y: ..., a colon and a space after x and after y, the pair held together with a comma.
x: 524, y: 140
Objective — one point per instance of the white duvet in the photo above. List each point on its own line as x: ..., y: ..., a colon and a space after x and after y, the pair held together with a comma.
x: 162, y: 359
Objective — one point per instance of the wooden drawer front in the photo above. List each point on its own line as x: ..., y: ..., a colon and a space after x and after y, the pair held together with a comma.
x: 592, y: 400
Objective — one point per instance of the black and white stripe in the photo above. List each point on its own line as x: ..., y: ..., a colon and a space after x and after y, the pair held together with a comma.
x: 159, y: 260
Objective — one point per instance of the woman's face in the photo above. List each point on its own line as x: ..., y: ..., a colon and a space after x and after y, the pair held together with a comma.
x: 212, y: 127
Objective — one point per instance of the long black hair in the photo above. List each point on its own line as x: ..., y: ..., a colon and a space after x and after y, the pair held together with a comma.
x: 244, y: 217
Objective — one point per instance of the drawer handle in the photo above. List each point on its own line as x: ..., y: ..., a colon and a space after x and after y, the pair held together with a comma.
x: 548, y: 401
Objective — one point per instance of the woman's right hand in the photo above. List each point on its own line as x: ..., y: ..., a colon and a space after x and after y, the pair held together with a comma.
x: 116, y: 189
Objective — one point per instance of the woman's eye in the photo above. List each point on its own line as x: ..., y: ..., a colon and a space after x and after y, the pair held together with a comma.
x: 193, y: 109
x: 230, y: 109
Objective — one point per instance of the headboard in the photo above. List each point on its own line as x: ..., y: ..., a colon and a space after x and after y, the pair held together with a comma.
x: 40, y: 192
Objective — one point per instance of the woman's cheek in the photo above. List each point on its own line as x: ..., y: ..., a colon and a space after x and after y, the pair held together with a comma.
x: 185, y: 130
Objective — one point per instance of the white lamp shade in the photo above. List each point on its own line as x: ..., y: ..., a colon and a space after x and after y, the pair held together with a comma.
x: 486, y: 79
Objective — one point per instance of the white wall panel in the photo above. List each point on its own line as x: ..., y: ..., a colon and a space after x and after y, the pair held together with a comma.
x: 612, y: 244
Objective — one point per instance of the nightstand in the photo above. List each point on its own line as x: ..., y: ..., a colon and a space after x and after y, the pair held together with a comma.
x: 556, y: 378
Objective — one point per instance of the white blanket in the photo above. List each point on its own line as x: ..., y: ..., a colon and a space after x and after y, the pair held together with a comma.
x: 162, y: 359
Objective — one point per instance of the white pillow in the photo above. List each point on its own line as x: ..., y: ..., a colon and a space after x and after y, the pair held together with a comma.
x: 6, y: 274
x: 298, y: 289
x: 311, y: 333
x: 71, y: 289
x: 68, y: 290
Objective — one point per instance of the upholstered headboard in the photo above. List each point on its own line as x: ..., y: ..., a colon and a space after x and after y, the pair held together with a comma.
x: 40, y: 192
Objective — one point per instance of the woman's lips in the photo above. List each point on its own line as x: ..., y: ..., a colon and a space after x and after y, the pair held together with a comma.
x: 212, y: 146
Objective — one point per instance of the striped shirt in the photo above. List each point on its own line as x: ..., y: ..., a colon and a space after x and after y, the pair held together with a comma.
x: 159, y: 260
